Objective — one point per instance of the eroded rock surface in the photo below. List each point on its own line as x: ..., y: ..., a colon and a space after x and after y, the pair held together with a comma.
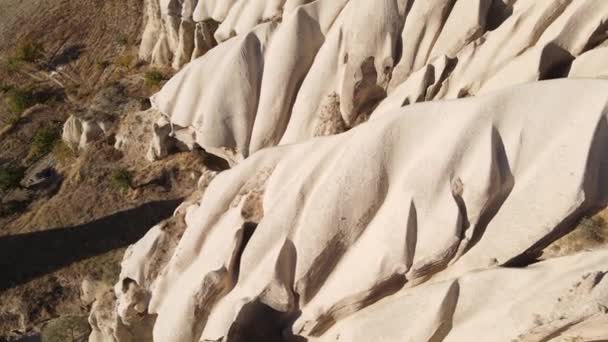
x: 353, y: 210
x: 281, y: 62
x: 332, y: 236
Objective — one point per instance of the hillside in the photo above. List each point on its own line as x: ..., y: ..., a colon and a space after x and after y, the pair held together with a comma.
x: 67, y: 213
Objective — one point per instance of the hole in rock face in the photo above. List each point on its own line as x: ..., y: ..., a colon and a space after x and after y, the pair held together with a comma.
x: 126, y: 283
x: 555, y: 62
x: 345, y: 59
x: 499, y: 11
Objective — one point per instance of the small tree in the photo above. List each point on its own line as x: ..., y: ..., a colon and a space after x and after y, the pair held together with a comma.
x: 121, y: 179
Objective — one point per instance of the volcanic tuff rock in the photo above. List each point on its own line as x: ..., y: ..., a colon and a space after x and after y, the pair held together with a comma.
x: 405, y: 221
x: 330, y: 63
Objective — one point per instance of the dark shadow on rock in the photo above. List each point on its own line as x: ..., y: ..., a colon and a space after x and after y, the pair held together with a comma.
x: 505, y: 182
x: 26, y: 256
x: 595, y: 188
x: 499, y: 11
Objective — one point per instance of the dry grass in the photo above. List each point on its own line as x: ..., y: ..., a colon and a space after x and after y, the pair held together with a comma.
x: 72, y: 34
x: 66, y: 329
x: 590, y: 233
x: 63, y: 153
x: 125, y: 61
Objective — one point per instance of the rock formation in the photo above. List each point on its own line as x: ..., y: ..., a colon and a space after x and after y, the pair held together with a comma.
x: 353, y: 211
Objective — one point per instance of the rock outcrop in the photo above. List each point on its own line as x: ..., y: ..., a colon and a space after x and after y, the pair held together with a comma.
x: 426, y: 203
x: 355, y: 212
x: 174, y: 34
x: 98, y: 120
x: 331, y: 63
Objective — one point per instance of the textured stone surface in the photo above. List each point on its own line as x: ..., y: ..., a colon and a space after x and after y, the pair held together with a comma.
x: 354, y: 212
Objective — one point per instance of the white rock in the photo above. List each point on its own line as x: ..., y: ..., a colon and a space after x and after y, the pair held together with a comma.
x: 78, y: 132
x: 285, y: 76
x: 404, y: 227
x: 356, y: 231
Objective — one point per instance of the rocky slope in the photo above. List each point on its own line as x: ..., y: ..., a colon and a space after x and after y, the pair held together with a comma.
x: 67, y: 215
x: 352, y: 211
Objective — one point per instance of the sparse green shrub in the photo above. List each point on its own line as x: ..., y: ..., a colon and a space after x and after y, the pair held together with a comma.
x: 44, y: 141
x: 153, y: 78
x: 10, y: 176
x: 121, y: 179
x: 18, y: 100
x: 66, y: 329
x: 122, y: 40
x: 124, y: 61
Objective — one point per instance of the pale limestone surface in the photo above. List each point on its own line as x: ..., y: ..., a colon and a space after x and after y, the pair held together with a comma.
x: 405, y: 221
x: 332, y: 62
x: 409, y: 215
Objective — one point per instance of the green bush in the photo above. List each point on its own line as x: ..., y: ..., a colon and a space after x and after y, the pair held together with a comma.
x: 10, y: 176
x: 44, y: 141
x: 122, y: 40
x: 153, y: 78
x: 18, y: 100
x: 121, y: 179
x: 66, y: 329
